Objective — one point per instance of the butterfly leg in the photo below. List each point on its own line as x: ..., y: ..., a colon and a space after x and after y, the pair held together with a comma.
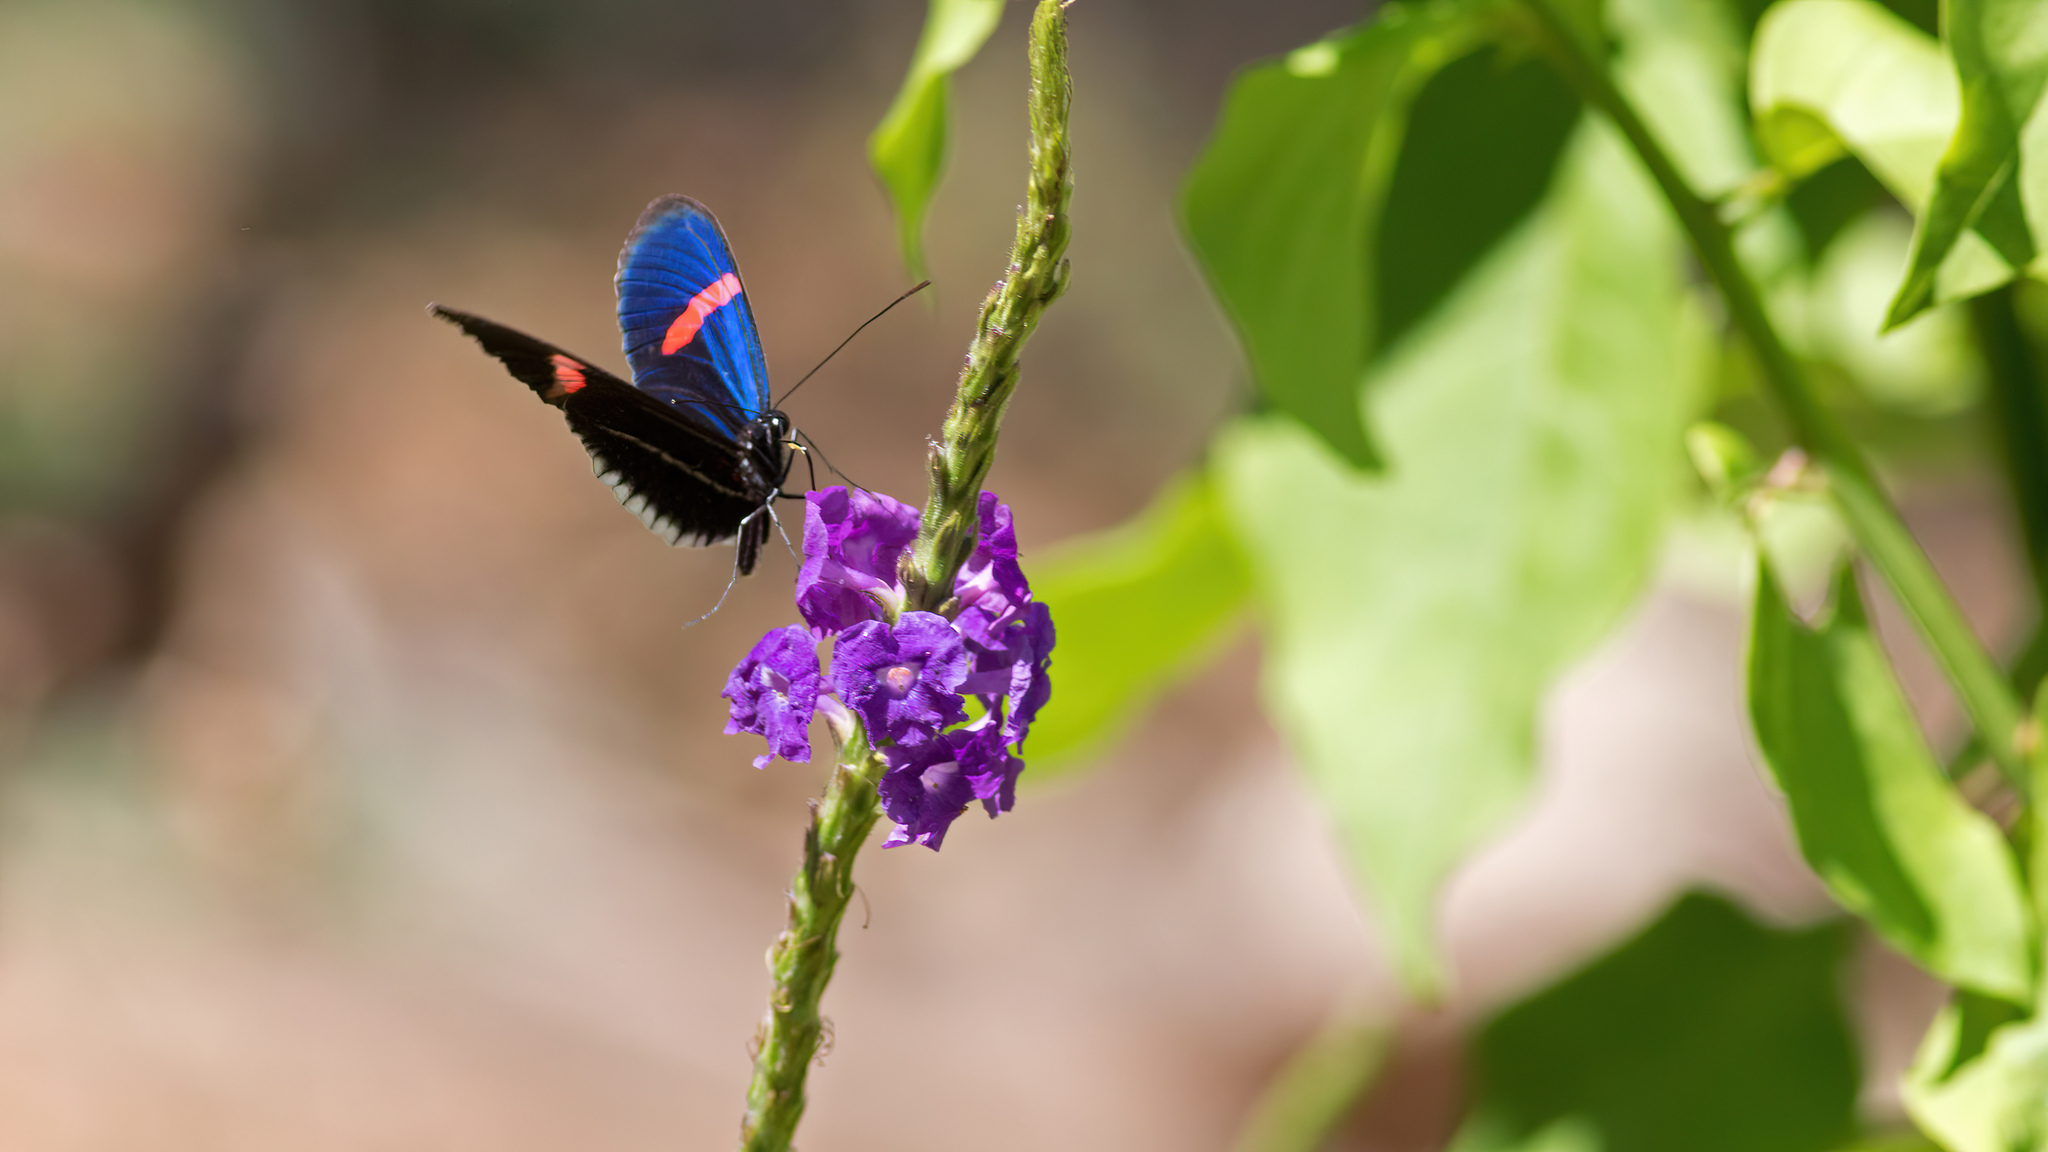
x: 752, y: 533
x: 769, y: 508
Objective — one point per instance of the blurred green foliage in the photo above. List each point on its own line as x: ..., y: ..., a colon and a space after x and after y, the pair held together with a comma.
x: 1980, y: 1081
x: 908, y: 148
x: 2000, y: 52
x: 1136, y: 607
x: 1475, y: 347
x: 1479, y: 151
x: 1835, y: 76
x: 1706, y: 1033
x: 1875, y: 817
x: 1280, y: 208
x: 1314, y: 1092
x: 1416, y: 619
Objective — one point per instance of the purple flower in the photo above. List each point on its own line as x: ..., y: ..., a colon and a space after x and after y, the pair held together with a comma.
x: 774, y: 692
x: 1030, y: 687
x: 928, y: 786
x: 1012, y: 667
x: 986, y: 762
x: 904, y: 682
x: 923, y: 790
x: 991, y: 587
x: 904, y: 675
x: 852, y: 541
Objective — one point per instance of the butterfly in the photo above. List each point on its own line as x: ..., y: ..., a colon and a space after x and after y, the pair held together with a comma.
x: 693, y: 445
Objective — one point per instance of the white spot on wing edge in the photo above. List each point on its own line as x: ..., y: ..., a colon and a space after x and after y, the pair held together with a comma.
x: 643, y: 509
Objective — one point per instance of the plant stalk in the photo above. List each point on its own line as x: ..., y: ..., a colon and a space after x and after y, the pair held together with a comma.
x: 803, y: 957
x: 1852, y: 482
x: 1037, y: 275
x: 2017, y: 402
x: 1322, y: 1082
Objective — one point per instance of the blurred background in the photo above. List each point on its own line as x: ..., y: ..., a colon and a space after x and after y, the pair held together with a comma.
x: 359, y: 785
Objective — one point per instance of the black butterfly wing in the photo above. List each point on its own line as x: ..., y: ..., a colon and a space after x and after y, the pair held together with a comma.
x: 690, y: 483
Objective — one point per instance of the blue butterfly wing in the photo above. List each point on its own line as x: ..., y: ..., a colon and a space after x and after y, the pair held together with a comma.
x: 689, y: 333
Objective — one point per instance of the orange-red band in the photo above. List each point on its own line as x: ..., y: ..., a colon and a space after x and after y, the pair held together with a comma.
x: 568, y: 375
x: 702, y: 305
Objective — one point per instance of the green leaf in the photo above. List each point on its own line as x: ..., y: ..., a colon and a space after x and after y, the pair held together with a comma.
x: 1830, y: 74
x: 1876, y: 818
x: 1480, y: 149
x: 1893, y: 1142
x: 1929, y: 368
x: 1980, y: 1080
x: 908, y: 148
x: 1833, y: 75
x: 1980, y: 1085
x: 1416, y: 618
x: 1725, y: 459
x: 1707, y: 1033
x: 1567, y: 1134
x: 1681, y: 65
x: 1280, y: 208
x: 1137, y: 607
x: 2000, y: 49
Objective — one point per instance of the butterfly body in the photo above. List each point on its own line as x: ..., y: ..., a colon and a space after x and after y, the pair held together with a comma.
x: 692, y: 444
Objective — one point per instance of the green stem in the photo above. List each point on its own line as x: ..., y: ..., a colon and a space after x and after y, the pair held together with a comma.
x: 2019, y: 409
x: 1037, y: 275
x: 1320, y: 1085
x: 1852, y: 482
x: 804, y: 955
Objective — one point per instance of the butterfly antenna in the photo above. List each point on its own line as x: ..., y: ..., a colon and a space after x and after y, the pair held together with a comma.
x: 812, y: 446
x: 922, y: 285
x: 810, y: 466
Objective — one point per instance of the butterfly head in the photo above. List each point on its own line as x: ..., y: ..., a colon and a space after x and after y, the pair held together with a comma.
x: 768, y: 439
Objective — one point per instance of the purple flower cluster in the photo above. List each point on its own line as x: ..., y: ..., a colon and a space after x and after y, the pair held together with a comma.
x: 906, y: 675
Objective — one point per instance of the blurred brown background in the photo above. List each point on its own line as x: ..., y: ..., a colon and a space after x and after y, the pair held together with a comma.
x: 361, y: 787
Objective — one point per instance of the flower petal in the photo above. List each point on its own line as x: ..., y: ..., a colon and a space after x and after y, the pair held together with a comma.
x: 853, y: 540
x: 774, y: 693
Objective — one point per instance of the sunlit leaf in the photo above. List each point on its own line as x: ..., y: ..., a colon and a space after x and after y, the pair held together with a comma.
x: 1876, y: 818
x: 908, y: 148
x: 1136, y: 608
x: 1981, y: 1085
x: 1725, y: 459
x: 1280, y: 208
x: 2000, y: 50
x: 1681, y: 65
x: 1566, y: 1134
x: 1980, y: 1080
x: 1415, y: 619
x: 1833, y: 75
x: 1830, y: 74
x: 1707, y: 1033
x: 1928, y: 368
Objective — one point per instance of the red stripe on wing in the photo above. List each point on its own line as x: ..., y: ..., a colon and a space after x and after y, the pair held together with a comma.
x: 568, y: 376
x: 702, y: 305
